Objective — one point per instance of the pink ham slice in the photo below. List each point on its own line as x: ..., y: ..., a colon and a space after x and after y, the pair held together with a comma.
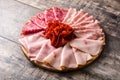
x: 81, y: 57
x: 45, y: 50
x: 54, y: 58
x: 67, y: 57
x: 71, y: 13
x: 76, y: 17
x: 86, y: 21
x: 83, y: 17
x: 49, y: 15
x: 33, y: 43
x: 59, y: 13
x: 89, y: 33
x: 94, y: 25
x: 87, y: 45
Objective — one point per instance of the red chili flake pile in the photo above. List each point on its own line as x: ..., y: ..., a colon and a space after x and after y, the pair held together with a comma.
x: 59, y: 33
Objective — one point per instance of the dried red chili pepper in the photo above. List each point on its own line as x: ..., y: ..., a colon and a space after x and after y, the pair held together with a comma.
x: 59, y: 33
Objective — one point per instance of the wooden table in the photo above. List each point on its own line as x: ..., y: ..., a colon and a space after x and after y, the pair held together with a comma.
x: 15, y: 66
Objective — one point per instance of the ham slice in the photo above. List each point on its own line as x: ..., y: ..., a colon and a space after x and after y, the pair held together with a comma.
x: 83, y: 17
x: 54, y: 58
x: 87, y: 45
x: 94, y: 25
x: 67, y: 57
x: 49, y: 15
x: 69, y: 15
x: 89, y: 34
x: 45, y: 50
x: 59, y: 13
x: 33, y: 43
x: 76, y: 17
x: 86, y: 21
x: 81, y: 57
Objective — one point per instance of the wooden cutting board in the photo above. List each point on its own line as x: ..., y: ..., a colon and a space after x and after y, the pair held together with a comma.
x: 106, y: 67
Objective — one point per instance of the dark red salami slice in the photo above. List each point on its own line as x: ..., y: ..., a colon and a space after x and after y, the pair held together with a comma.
x: 59, y: 13
x: 30, y: 28
x: 39, y: 20
x: 49, y: 15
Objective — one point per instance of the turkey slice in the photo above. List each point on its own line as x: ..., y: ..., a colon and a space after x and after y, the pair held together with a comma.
x: 87, y: 45
x: 81, y: 57
x: 54, y: 58
x: 67, y: 57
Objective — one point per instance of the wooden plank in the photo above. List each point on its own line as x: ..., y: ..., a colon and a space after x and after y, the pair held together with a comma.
x: 13, y: 16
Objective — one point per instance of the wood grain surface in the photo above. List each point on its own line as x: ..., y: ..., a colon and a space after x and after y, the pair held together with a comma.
x: 15, y: 66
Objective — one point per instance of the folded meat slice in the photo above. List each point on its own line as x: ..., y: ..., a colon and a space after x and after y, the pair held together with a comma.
x: 76, y: 17
x: 92, y: 25
x: 81, y: 57
x: 33, y: 43
x: 59, y: 13
x: 67, y: 57
x: 45, y: 50
x: 54, y: 58
x: 86, y: 21
x: 70, y: 14
x: 87, y: 45
x: 49, y: 15
x: 43, y: 22
x: 83, y: 17
x: 30, y: 28
x: 89, y: 33
x: 39, y: 21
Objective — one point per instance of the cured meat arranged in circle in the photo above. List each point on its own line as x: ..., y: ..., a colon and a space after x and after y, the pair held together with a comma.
x: 62, y: 39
